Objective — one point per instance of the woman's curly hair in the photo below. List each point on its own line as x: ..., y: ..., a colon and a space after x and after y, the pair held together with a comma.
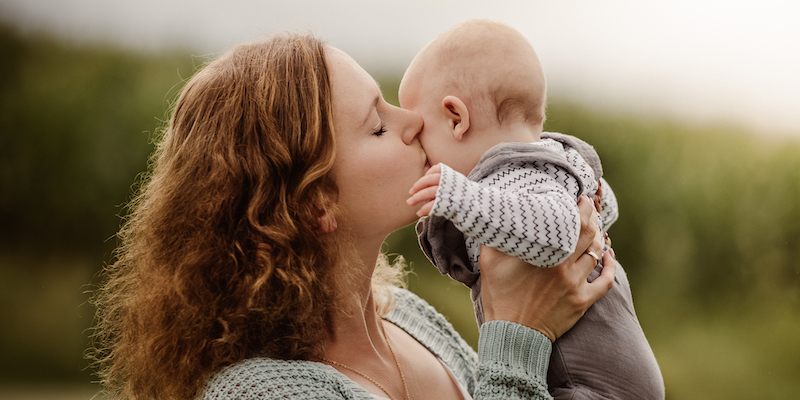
x: 220, y: 257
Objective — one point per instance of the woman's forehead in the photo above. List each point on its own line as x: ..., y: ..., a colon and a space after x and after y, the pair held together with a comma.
x: 354, y: 91
x: 344, y: 68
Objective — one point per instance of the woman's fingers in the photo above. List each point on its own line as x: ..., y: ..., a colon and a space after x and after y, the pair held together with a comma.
x: 590, y: 233
x: 589, y: 252
x: 603, y: 283
x: 595, y: 249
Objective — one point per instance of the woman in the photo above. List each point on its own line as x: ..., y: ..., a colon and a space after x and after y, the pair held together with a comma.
x: 248, y: 265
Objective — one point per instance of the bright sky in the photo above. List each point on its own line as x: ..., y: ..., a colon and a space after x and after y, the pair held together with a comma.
x: 698, y: 60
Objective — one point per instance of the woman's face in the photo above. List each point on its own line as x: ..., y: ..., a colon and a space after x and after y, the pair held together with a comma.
x: 378, y: 155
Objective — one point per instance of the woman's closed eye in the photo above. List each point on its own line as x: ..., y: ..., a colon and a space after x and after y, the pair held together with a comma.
x: 380, y: 130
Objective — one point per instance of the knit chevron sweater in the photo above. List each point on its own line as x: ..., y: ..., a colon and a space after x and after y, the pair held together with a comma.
x: 521, y: 199
x: 511, y: 363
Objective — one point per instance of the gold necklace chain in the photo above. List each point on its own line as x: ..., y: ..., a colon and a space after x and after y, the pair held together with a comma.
x: 402, y: 377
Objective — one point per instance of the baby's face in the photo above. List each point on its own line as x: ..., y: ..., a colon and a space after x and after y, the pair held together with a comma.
x: 435, y: 137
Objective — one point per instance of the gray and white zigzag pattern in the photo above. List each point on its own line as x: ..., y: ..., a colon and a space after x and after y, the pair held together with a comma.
x: 527, y: 210
x: 537, y: 221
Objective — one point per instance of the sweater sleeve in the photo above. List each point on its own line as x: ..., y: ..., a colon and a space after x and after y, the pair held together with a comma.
x: 609, y: 209
x: 513, y: 362
x: 529, y: 215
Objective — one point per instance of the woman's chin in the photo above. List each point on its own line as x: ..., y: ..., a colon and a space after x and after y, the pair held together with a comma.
x: 412, y: 218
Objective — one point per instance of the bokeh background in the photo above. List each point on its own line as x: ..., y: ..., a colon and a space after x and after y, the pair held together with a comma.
x: 694, y: 107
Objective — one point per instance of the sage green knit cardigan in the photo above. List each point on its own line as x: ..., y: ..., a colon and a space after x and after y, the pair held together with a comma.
x: 511, y: 363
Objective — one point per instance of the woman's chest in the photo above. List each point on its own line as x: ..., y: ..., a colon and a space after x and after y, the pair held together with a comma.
x: 426, y: 376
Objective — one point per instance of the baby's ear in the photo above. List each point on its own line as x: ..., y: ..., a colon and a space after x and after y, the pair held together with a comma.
x: 457, y: 116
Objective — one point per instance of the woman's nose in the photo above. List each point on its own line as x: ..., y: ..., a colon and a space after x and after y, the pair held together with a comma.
x: 414, y: 126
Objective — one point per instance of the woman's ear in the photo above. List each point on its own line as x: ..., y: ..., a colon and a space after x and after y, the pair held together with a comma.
x: 326, y: 223
x: 457, y: 115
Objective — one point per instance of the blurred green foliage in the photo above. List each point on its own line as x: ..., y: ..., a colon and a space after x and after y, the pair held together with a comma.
x: 708, y: 232
x: 76, y: 126
x: 75, y: 129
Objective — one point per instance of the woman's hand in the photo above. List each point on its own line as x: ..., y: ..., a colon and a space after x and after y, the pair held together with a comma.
x: 549, y: 300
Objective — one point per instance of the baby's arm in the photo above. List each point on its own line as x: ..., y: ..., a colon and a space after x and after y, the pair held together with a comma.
x: 537, y: 222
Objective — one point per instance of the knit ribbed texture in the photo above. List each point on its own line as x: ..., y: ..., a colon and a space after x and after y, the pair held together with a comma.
x: 420, y: 320
x: 514, y: 361
x: 515, y: 345
x: 506, y: 370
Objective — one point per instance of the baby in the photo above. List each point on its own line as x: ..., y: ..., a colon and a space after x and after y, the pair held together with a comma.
x: 499, y: 181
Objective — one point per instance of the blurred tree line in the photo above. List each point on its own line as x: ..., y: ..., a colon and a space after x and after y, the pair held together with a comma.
x: 76, y: 126
x: 75, y: 130
x: 708, y: 233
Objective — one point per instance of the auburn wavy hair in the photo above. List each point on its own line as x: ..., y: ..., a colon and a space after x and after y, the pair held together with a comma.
x: 219, y: 258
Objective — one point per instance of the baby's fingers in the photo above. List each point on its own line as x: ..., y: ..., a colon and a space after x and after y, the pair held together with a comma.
x: 425, y: 209
x: 425, y: 194
x: 436, y: 169
x: 427, y: 180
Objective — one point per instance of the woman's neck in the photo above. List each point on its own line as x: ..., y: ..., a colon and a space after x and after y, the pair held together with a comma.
x: 356, y: 320
x: 355, y: 326
x: 356, y: 338
x: 358, y: 345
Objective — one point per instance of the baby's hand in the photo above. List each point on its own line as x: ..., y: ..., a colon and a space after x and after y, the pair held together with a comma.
x: 424, y: 190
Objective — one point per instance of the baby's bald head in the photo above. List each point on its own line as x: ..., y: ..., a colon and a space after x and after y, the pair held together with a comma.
x: 490, y: 65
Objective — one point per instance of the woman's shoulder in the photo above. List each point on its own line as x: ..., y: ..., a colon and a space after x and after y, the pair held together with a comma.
x: 267, y: 378
x: 409, y: 306
x: 429, y: 327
